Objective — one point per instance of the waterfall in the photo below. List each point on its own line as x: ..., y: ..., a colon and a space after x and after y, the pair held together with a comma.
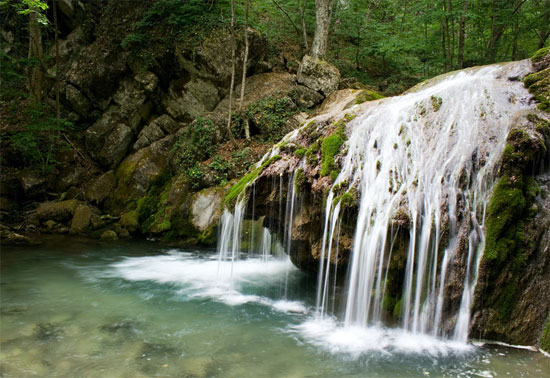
x: 429, y: 158
x: 431, y: 153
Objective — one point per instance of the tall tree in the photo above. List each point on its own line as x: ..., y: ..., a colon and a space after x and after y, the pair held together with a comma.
x: 323, y: 14
x: 462, y: 34
x: 245, y: 60
x: 35, y: 74
x: 233, y: 63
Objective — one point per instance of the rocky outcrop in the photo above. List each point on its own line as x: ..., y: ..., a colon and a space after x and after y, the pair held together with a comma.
x: 512, y: 300
x: 206, y: 208
x: 318, y: 75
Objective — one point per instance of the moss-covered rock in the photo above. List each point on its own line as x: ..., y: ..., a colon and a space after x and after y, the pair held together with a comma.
x: 329, y: 148
x: 81, y: 219
x: 58, y: 211
x: 318, y: 75
x: 101, y: 187
x: 130, y: 221
x: 544, y: 342
x: 511, y: 301
x: 240, y: 186
x: 109, y: 235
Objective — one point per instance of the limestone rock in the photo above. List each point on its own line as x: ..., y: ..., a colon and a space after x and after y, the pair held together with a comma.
x: 81, y: 219
x: 156, y: 130
x: 57, y: 211
x: 116, y: 145
x: 12, y: 238
x: 307, y: 98
x: 212, y: 59
x: 185, y: 101
x: 148, y: 81
x: 137, y: 171
x: 131, y: 99
x: 108, y: 139
x: 77, y: 101
x: 100, y: 188
x: 31, y: 181
x: 96, y: 71
x: 130, y: 221
x: 206, y: 208
x: 109, y: 235
x: 68, y: 177
x: 318, y: 75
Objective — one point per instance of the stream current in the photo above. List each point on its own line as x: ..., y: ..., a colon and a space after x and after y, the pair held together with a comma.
x: 80, y: 308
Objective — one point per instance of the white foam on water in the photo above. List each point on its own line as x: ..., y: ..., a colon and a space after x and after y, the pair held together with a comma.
x: 210, y: 278
x: 354, y: 341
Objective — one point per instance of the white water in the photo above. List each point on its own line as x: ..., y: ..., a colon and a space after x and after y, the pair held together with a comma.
x: 431, y: 154
x: 437, y: 165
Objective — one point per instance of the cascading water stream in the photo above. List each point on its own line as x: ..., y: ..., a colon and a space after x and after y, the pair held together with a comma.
x: 432, y: 154
x: 428, y: 158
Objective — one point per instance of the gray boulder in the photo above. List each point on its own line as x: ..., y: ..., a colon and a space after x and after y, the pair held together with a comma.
x: 156, y: 130
x: 318, y: 75
x: 206, y: 208
x: 100, y: 188
x: 184, y: 102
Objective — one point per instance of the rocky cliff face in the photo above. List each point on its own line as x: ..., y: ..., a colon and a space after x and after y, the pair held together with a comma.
x: 151, y: 130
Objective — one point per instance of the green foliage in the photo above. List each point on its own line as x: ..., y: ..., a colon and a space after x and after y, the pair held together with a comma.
x: 539, y: 85
x: 329, y: 148
x: 541, y: 53
x: 221, y: 168
x: 196, y: 144
x: 150, y: 207
x: 544, y: 342
x: 367, y: 95
x: 40, y: 138
x: 169, y: 21
x: 300, y: 152
x: 270, y: 116
x: 26, y: 7
x: 241, y: 185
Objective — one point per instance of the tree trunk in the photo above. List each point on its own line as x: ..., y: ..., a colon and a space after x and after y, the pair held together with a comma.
x: 57, y: 105
x: 304, y: 30
x: 323, y: 13
x: 245, y: 59
x: 35, y: 76
x: 462, y: 34
x: 443, y: 37
x: 544, y: 32
x: 233, y: 52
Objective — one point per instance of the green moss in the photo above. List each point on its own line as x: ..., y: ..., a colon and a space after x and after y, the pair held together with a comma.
x: 544, y: 342
x: 237, y: 189
x: 349, y: 117
x: 311, y: 153
x: 367, y: 95
x: 538, y: 84
x: 540, y: 54
x: 299, y: 179
x: 505, y: 209
x: 506, y: 300
x: 347, y: 200
x: 398, y: 309
x: 388, y: 303
x: 329, y: 148
x: 436, y: 103
x: 300, y: 152
x: 130, y: 220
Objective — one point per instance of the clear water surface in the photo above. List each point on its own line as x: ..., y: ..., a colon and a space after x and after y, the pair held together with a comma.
x: 80, y: 308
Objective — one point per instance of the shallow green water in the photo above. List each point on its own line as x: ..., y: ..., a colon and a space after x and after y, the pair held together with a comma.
x: 75, y: 308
